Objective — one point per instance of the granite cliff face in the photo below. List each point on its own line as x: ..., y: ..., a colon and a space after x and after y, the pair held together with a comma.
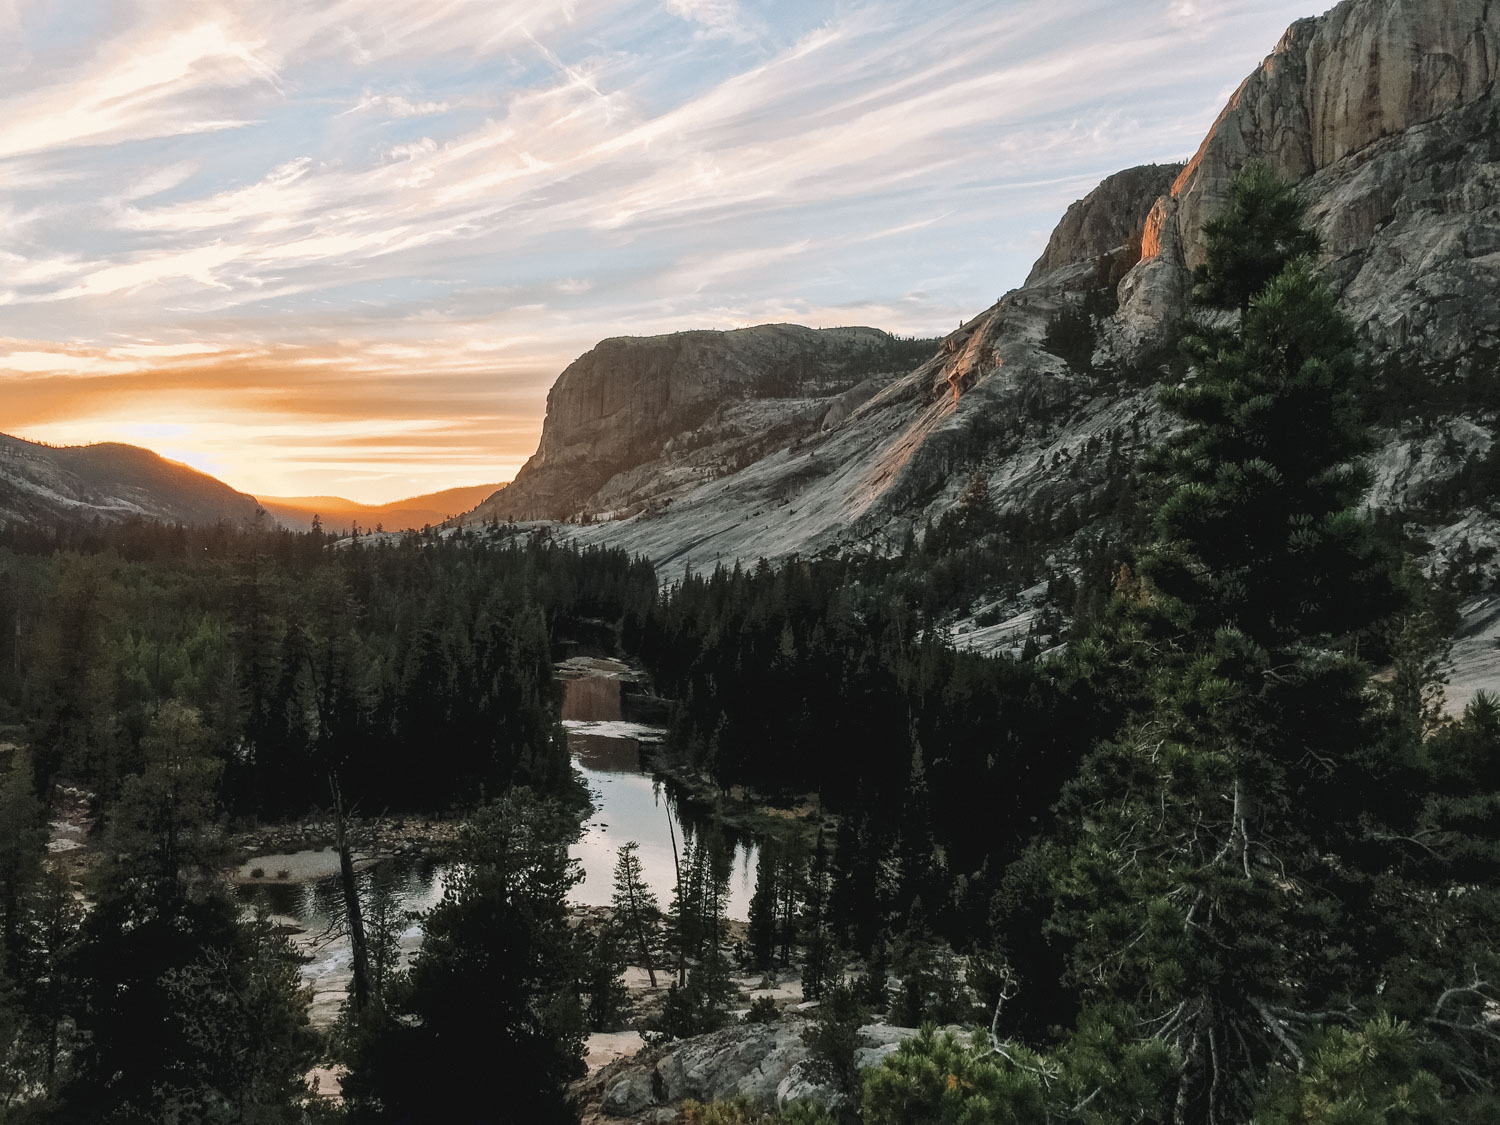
x: 1105, y: 230
x: 1384, y: 111
x: 1385, y: 114
x: 624, y: 420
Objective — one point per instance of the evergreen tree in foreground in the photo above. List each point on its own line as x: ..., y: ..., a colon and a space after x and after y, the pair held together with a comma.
x: 184, y: 1013
x: 1221, y: 882
x: 493, y: 991
x: 1275, y: 893
x: 1252, y: 239
x: 763, y: 903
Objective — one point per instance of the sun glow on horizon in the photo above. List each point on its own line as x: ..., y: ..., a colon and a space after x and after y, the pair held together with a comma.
x: 355, y: 460
x: 346, y: 249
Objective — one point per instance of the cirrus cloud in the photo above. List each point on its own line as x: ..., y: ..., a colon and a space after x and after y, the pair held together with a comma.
x: 364, y: 207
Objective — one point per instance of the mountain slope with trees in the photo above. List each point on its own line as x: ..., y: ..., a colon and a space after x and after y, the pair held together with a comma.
x: 110, y: 482
x: 1046, y: 400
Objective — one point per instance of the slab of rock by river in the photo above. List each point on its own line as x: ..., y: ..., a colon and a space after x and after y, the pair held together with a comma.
x: 295, y: 867
x: 765, y: 1063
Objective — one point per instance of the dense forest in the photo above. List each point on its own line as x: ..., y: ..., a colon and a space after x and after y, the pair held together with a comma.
x: 1211, y: 854
x: 301, y: 660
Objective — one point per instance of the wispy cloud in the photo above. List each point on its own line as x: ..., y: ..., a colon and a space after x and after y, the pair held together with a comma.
x: 358, y: 206
x: 396, y: 105
x: 142, y: 91
x: 718, y: 19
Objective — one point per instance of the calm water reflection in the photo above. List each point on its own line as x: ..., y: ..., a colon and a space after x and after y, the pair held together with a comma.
x: 318, y: 907
x: 629, y: 804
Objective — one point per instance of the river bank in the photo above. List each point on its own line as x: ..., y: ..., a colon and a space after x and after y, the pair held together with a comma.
x: 617, y: 738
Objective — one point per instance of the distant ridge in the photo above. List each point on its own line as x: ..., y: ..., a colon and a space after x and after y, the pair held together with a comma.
x: 110, y: 482
x: 114, y: 482
x: 338, y: 514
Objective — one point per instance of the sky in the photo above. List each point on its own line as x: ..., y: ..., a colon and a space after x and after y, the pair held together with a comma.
x: 345, y: 246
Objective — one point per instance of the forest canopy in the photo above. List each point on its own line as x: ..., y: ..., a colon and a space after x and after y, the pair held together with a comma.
x: 1217, y: 857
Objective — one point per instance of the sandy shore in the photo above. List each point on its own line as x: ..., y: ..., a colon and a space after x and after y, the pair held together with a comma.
x: 294, y: 867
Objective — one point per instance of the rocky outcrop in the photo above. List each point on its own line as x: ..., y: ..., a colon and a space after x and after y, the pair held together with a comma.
x: 111, y: 482
x: 1100, y: 237
x: 1368, y: 69
x: 1385, y: 114
x: 766, y: 1064
x: 1384, y: 110
x: 615, y: 408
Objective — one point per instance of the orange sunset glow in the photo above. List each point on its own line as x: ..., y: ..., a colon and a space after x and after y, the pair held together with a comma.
x: 345, y: 248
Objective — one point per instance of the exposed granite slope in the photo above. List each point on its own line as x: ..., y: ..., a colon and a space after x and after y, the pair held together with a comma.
x: 618, y: 407
x: 1385, y: 114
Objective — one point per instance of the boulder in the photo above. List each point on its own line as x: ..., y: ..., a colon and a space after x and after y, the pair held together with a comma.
x: 767, y: 1064
x: 631, y: 1092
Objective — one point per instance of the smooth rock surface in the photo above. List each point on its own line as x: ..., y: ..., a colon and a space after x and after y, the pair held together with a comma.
x: 763, y: 1063
x: 1385, y: 114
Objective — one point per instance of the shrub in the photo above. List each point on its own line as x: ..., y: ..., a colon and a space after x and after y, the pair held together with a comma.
x: 762, y: 1010
x: 1071, y: 337
x: 833, y: 1038
x: 692, y: 1010
x: 741, y: 1112
x: 938, y: 1077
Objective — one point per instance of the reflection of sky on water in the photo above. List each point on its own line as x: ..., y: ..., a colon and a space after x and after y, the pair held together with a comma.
x: 417, y: 885
x: 628, y: 805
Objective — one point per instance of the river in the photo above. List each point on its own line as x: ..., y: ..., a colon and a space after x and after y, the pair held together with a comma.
x: 629, y: 804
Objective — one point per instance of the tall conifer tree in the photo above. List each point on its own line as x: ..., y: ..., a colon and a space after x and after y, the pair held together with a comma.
x: 1216, y: 881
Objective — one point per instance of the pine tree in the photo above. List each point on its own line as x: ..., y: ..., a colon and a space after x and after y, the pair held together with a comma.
x: 918, y: 856
x: 1439, y: 901
x: 636, y: 909
x: 790, y: 888
x: 817, y: 932
x: 685, y: 914
x: 15, y: 1073
x: 384, y: 922
x: 23, y: 835
x: 1260, y: 531
x: 1215, y: 876
x: 834, y: 1041
x: 164, y: 948
x: 495, y: 980
x: 73, y: 727
x: 46, y: 963
x: 1369, y: 1076
x: 762, y: 921
x: 1250, y: 241
x: 601, y: 959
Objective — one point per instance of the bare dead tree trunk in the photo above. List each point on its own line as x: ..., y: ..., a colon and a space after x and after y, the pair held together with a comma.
x: 357, y: 943
x: 681, y: 904
x: 640, y: 933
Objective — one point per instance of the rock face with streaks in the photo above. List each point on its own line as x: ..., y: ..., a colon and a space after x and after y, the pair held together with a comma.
x: 1384, y: 111
x: 620, y: 406
x: 1100, y: 237
x: 701, y: 448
